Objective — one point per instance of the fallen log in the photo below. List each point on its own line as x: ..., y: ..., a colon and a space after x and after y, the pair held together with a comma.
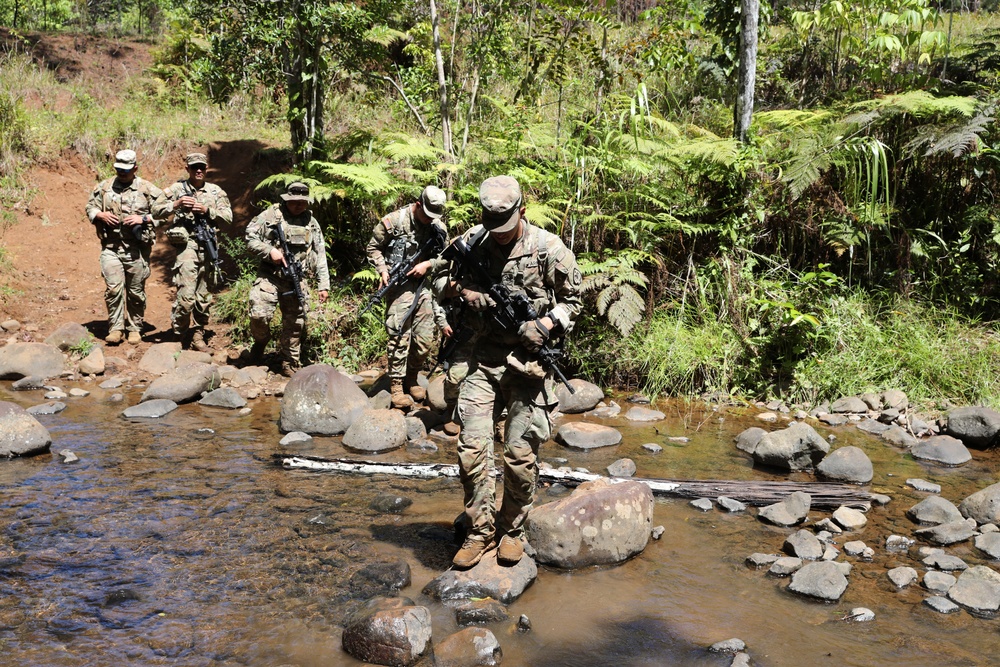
x: 825, y: 495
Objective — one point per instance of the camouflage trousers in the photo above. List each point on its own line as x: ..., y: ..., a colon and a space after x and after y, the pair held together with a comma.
x: 458, y: 369
x: 193, y: 297
x: 266, y: 296
x: 410, y: 339
x: 484, y: 394
x: 125, y: 272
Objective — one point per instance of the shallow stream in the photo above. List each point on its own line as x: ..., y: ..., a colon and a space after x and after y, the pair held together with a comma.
x: 179, y: 542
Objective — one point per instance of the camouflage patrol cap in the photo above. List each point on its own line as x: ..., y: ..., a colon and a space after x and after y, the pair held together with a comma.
x: 196, y: 158
x: 297, y: 192
x: 125, y: 159
x: 432, y: 199
x: 501, y: 200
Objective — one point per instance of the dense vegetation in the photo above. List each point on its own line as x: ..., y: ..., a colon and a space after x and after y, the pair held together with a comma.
x: 850, y: 244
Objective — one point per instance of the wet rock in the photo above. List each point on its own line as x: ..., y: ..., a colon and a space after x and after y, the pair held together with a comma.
x: 657, y: 532
x: 114, y: 364
x: 974, y: 426
x: 797, y: 447
x: 244, y: 412
x: 872, y: 426
x: 19, y: 360
x: 76, y: 392
x: 945, y: 562
x: 747, y: 440
x: 390, y: 503
x: 56, y: 394
x: 50, y: 408
x: 183, y: 384
x: 803, y: 544
x: 880, y: 499
x: 923, y: 485
x: 849, y: 518
x: 833, y: 419
x: 295, y: 438
x: 848, y: 404
x: 827, y: 525
x: 730, y: 505
x: 160, y: 358
x: 586, y: 397
x: 471, y: 647
x: 639, y: 399
x: 224, y: 397
x: 379, y: 579
x: 989, y: 544
x: 788, y: 512
x: 598, y: 524
x: 652, y: 448
x: 934, y: 510
x: 151, y: 409
x: 20, y: 433
x: 415, y: 429
x: 898, y: 543
x: 321, y: 401
x: 585, y: 435
x: 860, y: 615
x: 947, y: 533
x: 703, y: 504
x: 93, y: 363
x: 29, y: 383
x: 741, y: 660
x: 388, y: 631
x: 486, y: 579
x: 116, y: 398
x: 824, y: 580
x: 609, y: 411
x: 785, y: 566
x: 858, y: 549
x: 847, y: 464
x: 68, y: 456
x: 983, y: 505
x: 977, y: 589
x: 942, y: 605
x: 759, y: 560
x: 644, y: 415
x: 895, y: 435
x: 734, y: 645
x: 942, y: 449
x: 113, y: 383
x: 622, y: 468
x: 478, y: 612
x: 901, y: 577
x: 376, y: 431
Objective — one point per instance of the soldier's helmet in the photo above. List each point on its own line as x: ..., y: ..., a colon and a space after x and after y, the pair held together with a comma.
x: 196, y: 158
x: 125, y: 159
x: 432, y: 199
x: 297, y: 192
x: 501, y: 200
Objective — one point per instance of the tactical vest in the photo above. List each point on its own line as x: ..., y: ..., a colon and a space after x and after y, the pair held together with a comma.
x: 130, y: 201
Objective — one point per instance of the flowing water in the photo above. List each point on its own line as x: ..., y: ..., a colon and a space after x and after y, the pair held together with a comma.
x: 178, y: 541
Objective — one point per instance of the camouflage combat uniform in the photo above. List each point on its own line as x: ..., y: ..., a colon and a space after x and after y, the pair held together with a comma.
x: 410, y: 338
x: 272, y: 289
x: 190, y: 273
x: 125, y: 250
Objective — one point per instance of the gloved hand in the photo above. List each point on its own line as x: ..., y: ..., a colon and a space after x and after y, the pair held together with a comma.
x: 477, y: 300
x: 533, y: 335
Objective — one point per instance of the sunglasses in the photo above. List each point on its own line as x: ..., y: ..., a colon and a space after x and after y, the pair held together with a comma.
x: 197, y: 167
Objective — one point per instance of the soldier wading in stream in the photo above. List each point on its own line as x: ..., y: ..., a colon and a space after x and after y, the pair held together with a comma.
x: 503, y: 370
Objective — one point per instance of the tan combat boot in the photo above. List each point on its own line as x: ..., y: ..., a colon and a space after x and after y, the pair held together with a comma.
x: 510, y: 551
x: 400, y: 400
x: 115, y: 337
x: 471, y: 552
x: 198, y: 341
x: 134, y: 338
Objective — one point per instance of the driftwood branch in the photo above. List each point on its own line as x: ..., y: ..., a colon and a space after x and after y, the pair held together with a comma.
x: 413, y: 109
x: 825, y: 495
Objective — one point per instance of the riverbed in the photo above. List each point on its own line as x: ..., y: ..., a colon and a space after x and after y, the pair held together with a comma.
x: 179, y: 541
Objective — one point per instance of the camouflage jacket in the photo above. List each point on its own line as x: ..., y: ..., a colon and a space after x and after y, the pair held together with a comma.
x: 305, y: 240
x: 181, y: 231
x: 140, y: 197
x: 397, y: 236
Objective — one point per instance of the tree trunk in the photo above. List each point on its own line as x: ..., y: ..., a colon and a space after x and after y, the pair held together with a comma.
x: 304, y: 78
x: 442, y: 85
x: 743, y: 112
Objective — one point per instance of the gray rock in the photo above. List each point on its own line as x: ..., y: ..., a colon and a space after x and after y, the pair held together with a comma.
x: 224, y: 397
x: 644, y: 415
x: 934, y: 510
x: 609, y: 411
x: 93, y: 363
x: 919, y: 427
x: 657, y: 532
x: 10, y: 326
x: 151, y: 409
x: 380, y: 401
x: 68, y: 456
x: 29, y: 383
x: 192, y: 357
x: 19, y: 360
x: 160, y: 358
x: 759, y: 560
x: 475, y: 612
x: 598, y: 524
x: 388, y: 631
x: 114, y: 364
x: 860, y: 615
x: 977, y: 589
x: 901, y: 577
x: 848, y: 404
x: 989, y: 528
x: 797, y: 447
x: 847, y: 464
x: 376, y: 431
x: 729, y: 504
x: 471, y: 647
x: 652, y: 448
x: 422, y: 445
x: 586, y: 397
x: 983, y: 505
x: 767, y: 417
x: 785, y: 566
x: 824, y: 580
x: 989, y: 543
x: 895, y: 399
x: 69, y: 335
x: 942, y: 605
x: 888, y: 416
x: 945, y: 562
x: 50, y: 408
x: 923, y: 485
x: 895, y: 435
x: 295, y: 438
x: 728, y: 646
x: 849, y: 518
x: 116, y: 398
x: 415, y: 429
x: 622, y: 468
x: 858, y: 549
x: 77, y: 392
x: 872, y: 426
x: 803, y: 544
x: 880, y: 499
x: 947, y: 533
x: 183, y: 384
x: 942, y: 449
x: 20, y: 433
x: 383, y: 578
x: 56, y: 394
x: 639, y: 399
x: 585, y: 435
x: 788, y: 512
x: 829, y: 526
x: 113, y: 383
x: 487, y: 579
x: 872, y: 400
x: 741, y: 660
x: 748, y: 440
x: 898, y: 543
x: 390, y: 503
x: 703, y: 504
x: 321, y: 401
x: 833, y: 420
x: 974, y: 426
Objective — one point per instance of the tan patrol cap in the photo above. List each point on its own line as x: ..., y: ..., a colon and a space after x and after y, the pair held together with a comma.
x: 125, y: 159
x: 501, y: 200
x: 433, y: 199
x: 196, y: 158
x: 297, y: 192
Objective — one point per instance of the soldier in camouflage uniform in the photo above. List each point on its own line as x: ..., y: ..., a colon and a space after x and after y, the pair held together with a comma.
x: 272, y: 288
x: 409, y: 312
x: 503, y: 372
x: 124, y: 211
x: 192, y: 197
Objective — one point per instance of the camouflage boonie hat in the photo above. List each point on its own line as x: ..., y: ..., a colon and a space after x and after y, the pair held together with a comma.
x: 125, y: 159
x: 501, y: 200
x: 297, y: 192
x: 196, y: 158
x: 432, y: 200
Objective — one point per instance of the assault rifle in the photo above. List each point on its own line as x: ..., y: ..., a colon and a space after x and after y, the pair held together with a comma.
x: 291, y: 267
x: 512, y: 309
x: 205, y: 236
x: 397, y: 275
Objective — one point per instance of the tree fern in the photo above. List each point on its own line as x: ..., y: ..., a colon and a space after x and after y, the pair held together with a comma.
x: 616, y: 279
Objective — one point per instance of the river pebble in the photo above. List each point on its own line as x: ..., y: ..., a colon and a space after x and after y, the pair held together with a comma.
x: 703, y: 504
x: 657, y: 532
x: 902, y: 576
x: 938, y: 582
x: 730, y: 505
x: 78, y: 393
x: 942, y: 605
x: 734, y: 645
x: 390, y: 503
x: 861, y: 615
x: 68, y: 456
x: 785, y: 566
x: 295, y: 438
x: 989, y: 543
x: 759, y: 560
x: 652, y: 448
x: 945, y: 562
x: 849, y: 518
x: 50, y: 408
x: 475, y: 612
x: 898, y: 543
x: 923, y: 485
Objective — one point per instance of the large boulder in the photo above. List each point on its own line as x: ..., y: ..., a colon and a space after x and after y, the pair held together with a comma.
x: 934, y: 510
x: 977, y: 589
x: 586, y: 396
x: 983, y: 505
x: 69, y: 335
x: 942, y: 449
x: 975, y: 426
x: 849, y: 405
x: 160, y: 358
x: 19, y: 360
x: 585, y: 435
x: 600, y: 523
x: 748, y: 440
x: 388, y: 631
x: 224, y: 397
x: 847, y: 464
x: 186, y: 383
x: 376, y: 431
x: 321, y: 401
x: 20, y: 433
x: 825, y: 580
x: 471, y: 647
x: 798, y: 447
x: 487, y: 579
x: 948, y: 533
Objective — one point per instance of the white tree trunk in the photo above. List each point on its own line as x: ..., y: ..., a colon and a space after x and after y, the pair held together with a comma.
x: 743, y: 113
x: 442, y: 85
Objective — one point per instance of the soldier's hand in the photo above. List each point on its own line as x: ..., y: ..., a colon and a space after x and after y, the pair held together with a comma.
x: 186, y: 202
x: 533, y: 335
x: 107, y: 217
x: 132, y: 219
x: 322, y: 294
x: 276, y: 256
x: 420, y: 269
x: 477, y: 300
x: 383, y: 279
x: 447, y: 331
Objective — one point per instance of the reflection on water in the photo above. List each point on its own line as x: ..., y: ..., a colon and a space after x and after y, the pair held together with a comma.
x: 178, y: 542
